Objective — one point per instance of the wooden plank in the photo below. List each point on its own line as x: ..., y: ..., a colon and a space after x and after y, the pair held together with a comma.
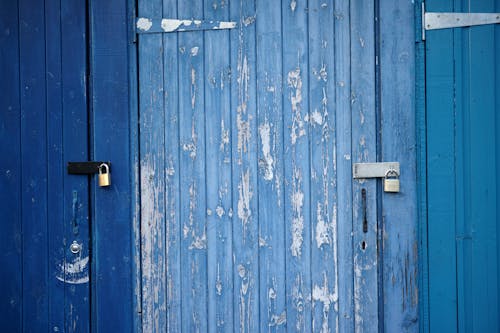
x: 245, y: 173
x: 56, y: 173
x: 364, y: 139
x: 297, y: 165
x: 480, y: 261
x: 75, y: 148
x: 173, y: 225
x: 10, y: 169
x: 342, y: 75
x: 322, y: 125
x: 399, y: 211
x: 441, y: 174
x: 33, y: 165
x: 113, y: 224
x: 272, y: 250
x: 192, y: 173
x: 152, y: 166
x: 218, y: 166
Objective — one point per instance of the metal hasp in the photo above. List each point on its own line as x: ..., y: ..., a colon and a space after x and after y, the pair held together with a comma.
x: 145, y: 25
x: 434, y: 21
x: 85, y: 168
x: 374, y: 170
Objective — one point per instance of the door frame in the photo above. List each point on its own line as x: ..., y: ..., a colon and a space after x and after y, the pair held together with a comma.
x: 111, y: 103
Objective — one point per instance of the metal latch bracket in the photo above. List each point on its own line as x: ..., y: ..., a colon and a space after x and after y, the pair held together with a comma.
x: 445, y: 20
x: 146, y: 25
x: 374, y: 170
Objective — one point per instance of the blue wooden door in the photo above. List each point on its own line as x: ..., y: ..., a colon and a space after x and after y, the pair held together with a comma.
x: 45, y: 287
x: 53, y: 111
x: 463, y: 89
x: 251, y: 114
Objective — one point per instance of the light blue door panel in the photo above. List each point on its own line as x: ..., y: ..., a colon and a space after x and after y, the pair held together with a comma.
x: 250, y: 219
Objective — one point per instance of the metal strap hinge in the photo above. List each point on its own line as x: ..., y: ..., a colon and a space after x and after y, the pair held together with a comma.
x: 146, y: 25
x: 433, y: 21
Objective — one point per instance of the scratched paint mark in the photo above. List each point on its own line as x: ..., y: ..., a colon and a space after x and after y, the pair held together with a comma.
x: 193, y: 87
x: 74, y: 272
x: 245, y: 195
x: 297, y: 200
x: 194, y: 51
x: 267, y: 162
x: 322, y: 228
x: 191, y: 147
x: 245, y: 297
x: 322, y: 295
x: 242, y: 118
x: 144, y: 24
x: 295, y: 83
x: 299, y: 303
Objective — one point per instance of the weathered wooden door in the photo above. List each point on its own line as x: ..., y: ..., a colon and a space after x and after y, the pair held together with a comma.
x: 463, y: 126
x: 251, y: 114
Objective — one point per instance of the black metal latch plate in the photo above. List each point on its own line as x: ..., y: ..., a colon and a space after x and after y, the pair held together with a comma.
x: 85, y: 168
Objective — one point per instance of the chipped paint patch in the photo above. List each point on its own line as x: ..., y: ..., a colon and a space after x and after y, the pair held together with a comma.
x: 295, y: 83
x: 194, y: 51
x: 293, y: 5
x: 74, y: 272
x: 322, y: 228
x: 144, y: 24
x: 322, y: 295
x: 297, y: 201
x: 267, y: 162
x: 245, y: 195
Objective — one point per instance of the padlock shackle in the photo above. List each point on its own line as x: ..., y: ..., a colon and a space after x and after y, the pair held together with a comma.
x: 105, y: 166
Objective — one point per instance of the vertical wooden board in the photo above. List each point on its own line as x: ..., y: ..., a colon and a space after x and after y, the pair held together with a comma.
x: 297, y: 165
x: 218, y: 169
x: 272, y: 251
x: 113, y: 224
x: 172, y: 174
x: 482, y: 218
x: 400, y: 256
x: 75, y: 272
x: 441, y: 175
x: 10, y: 170
x: 56, y: 173
x: 364, y: 140
x: 324, y: 239
x: 152, y: 170
x: 244, y: 168
x: 192, y: 172
x: 33, y: 165
x: 462, y: 144
x: 342, y: 77
x: 497, y: 142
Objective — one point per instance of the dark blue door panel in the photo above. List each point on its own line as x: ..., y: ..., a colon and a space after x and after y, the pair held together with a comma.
x: 462, y: 88
x: 44, y: 121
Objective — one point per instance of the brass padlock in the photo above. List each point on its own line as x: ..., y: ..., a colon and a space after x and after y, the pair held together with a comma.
x: 391, y: 181
x: 104, y: 177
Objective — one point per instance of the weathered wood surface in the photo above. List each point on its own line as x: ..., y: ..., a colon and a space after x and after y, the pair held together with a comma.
x: 250, y: 218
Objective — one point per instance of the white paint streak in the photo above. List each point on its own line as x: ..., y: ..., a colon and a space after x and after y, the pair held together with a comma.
x: 267, y: 164
x: 219, y: 211
x: 297, y: 201
x: 226, y: 25
x: 323, y: 295
x: 295, y: 82
x: 322, y: 228
x: 293, y: 5
x: 224, y: 140
x: 317, y: 118
x: 75, y: 272
x: 144, y: 24
x: 194, y: 51
x: 245, y: 195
